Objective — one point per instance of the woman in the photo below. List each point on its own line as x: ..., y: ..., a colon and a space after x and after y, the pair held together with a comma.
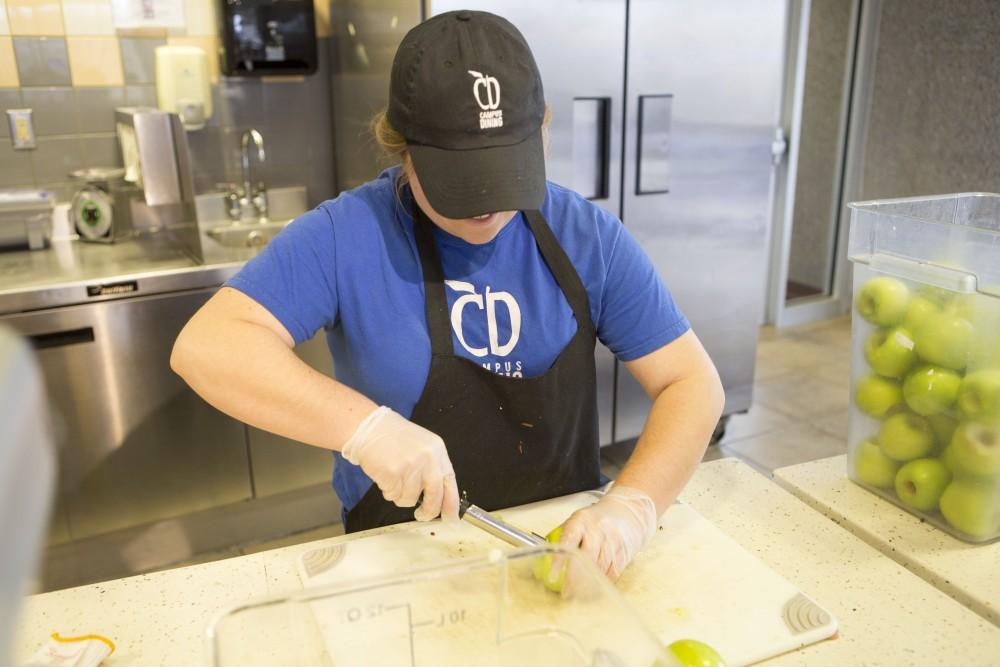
x: 462, y: 295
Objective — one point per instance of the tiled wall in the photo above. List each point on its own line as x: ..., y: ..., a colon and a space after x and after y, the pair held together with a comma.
x: 66, y: 61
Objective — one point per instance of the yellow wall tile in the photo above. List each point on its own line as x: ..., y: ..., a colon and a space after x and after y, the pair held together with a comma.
x: 210, y: 45
x: 35, y: 17
x: 95, y: 61
x: 4, y: 27
x: 88, y: 17
x: 8, y: 68
x: 322, y: 17
x: 199, y: 18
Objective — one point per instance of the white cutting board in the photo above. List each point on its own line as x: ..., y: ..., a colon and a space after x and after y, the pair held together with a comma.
x: 690, y: 581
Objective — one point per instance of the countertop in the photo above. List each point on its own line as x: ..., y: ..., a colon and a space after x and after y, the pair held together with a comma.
x: 967, y: 572
x: 60, y: 274
x: 887, y: 614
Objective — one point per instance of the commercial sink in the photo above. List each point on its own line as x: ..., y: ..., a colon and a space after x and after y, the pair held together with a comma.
x: 247, y: 233
x: 284, y: 205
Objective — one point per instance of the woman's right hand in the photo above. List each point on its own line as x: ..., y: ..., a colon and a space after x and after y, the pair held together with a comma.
x: 405, y: 460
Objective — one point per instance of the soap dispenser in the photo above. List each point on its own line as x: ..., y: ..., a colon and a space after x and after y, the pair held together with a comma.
x: 182, y: 85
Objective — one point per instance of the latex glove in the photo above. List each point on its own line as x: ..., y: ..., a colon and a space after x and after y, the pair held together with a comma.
x: 405, y: 460
x: 612, y: 530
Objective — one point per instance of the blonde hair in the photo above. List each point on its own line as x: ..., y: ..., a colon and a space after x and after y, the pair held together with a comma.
x: 393, y: 144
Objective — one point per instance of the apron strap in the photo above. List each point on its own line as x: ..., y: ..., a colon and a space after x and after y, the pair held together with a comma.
x: 562, y: 269
x: 438, y: 322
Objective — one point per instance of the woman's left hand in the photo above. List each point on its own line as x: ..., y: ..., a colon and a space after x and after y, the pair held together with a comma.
x: 612, y: 530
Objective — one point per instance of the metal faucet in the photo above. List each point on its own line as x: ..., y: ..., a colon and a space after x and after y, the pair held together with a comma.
x: 253, y: 195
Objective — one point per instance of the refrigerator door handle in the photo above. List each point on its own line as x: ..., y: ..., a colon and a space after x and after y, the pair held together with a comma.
x: 652, y: 155
x: 592, y: 146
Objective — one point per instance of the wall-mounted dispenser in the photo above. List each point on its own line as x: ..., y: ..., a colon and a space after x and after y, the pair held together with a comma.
x: 267, y: 37
x: 182, y: 84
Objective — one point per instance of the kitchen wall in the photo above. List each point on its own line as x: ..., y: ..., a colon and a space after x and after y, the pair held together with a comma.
x: 66, y: 61
x: 934, y: 112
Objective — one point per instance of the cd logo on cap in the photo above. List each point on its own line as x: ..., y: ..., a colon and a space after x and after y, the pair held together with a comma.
x: 490, y: 115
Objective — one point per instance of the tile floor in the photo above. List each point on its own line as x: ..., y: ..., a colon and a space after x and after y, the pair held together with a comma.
x: 801, y: 398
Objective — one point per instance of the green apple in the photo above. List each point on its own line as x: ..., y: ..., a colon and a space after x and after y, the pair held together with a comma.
x: 920, y: 483
x: 883, y: 301
x: 905, y: 436
x: 890, y: 352
x: 972, y: 507
x: 693, y: 653
x: 979, y: 396
x: 876, y: 396
x: 964, y: 306
x: 920, y: 309
x: 930, y: 389
x: 873, y: 467
x: 937, y: 295
x: 943, y: 427
x: 984, y: 351
x: 974, y: 450
x: 943, y: 339
x: 542, y: 567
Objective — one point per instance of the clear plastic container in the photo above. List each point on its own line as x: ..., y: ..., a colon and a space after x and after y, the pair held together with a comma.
x: 490, y: 611
x: 924, y: 427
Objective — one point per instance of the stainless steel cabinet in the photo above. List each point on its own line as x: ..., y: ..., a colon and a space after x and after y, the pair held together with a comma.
x: 279, y: 464
x: 703, y: 90
x: 137, y: 445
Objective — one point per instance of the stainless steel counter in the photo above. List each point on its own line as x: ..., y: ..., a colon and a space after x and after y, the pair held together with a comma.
x: 72, y: 272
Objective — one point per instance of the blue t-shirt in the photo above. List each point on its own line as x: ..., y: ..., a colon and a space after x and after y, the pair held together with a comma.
x: 351, y: 266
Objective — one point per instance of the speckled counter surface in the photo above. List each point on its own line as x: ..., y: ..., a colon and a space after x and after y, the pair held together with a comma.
x: 888, y: 615
x: 966, y: 572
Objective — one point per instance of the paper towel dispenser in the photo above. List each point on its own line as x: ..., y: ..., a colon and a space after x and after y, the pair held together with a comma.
x: 267, y: 37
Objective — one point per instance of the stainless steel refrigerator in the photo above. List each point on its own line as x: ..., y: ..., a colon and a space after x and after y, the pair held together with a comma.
x: 664, y: 112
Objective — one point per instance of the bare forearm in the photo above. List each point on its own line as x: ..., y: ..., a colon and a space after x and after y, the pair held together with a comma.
x: 674, y: 438
x: 250, y: 374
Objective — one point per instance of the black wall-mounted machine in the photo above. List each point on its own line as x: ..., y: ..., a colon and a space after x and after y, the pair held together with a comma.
x: 267, y: 37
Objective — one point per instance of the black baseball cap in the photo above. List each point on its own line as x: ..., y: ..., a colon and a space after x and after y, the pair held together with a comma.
x: 466, y: 94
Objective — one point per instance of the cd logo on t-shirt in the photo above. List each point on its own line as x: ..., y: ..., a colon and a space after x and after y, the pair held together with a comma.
x: 487, y: 302
x: 490, y: 116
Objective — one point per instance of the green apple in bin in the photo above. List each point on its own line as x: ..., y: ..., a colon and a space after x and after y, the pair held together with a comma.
x: 919, y: 484
x: 920, y: 309
x: 944, y: 427
x: 905, y: 436
x: 943, y: 339
x: 890, y: 352
x: 876, y: 395
x: 972, y: 507
x: 883, y: 301
x: 974, y: 450
x: 979, y: 396
x: 938, y: 295
x: 873, y: 467
x: 930, y: 389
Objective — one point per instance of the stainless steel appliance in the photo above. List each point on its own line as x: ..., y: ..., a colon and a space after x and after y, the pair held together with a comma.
x: 664, y: 112
x: 101, y: 210
x: 157, y: 162
x: 25, y: 219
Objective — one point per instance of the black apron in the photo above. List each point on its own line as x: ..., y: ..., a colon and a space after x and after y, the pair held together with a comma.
x: 511, y: 440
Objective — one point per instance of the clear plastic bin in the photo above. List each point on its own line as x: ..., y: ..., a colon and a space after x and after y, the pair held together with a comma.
x: 924, y: 427
x: 476, y: 612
